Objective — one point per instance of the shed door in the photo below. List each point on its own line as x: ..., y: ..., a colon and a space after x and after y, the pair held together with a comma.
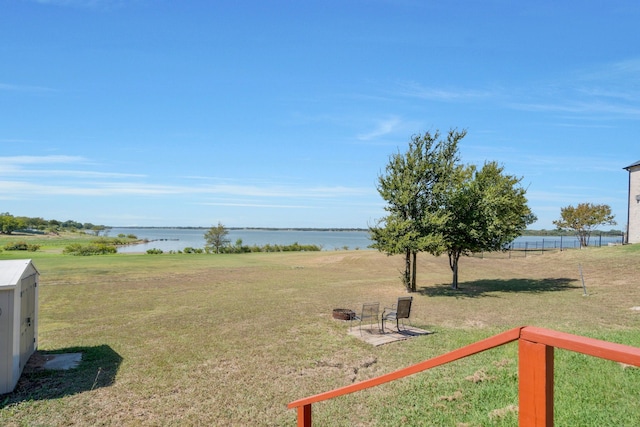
x: 27, y: 318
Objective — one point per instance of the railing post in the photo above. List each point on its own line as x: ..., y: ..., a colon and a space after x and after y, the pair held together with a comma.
x: 535, y: 389
x: 304, y: 416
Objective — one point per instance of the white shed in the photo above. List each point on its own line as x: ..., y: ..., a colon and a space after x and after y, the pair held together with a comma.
x: 18, y: 319
x: 633, y: 218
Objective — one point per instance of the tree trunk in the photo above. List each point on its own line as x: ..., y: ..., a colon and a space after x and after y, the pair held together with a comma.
x: 454, y: 257
x: 407, y: 270
x: 413, y: 274
x: 454, y: 284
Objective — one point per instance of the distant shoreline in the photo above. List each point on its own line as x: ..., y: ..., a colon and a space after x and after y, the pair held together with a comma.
x: 525, y: 233
x: 244, y: 228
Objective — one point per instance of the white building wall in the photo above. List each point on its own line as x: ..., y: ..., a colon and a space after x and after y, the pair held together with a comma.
x: 634, y: 205
x: 16, y: 276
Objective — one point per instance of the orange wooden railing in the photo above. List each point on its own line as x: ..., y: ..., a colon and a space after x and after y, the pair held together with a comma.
x: 535, y: 370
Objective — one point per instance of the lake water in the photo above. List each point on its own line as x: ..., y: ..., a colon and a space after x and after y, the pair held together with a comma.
x: 560, y: 242
x: 176, y: 239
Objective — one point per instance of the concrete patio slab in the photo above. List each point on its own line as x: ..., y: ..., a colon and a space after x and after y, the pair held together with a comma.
x: 57, y: 362
x: 374, y: 336
x: 62, y: 361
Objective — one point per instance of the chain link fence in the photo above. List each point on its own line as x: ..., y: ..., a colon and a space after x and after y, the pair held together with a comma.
x: 537, y: 245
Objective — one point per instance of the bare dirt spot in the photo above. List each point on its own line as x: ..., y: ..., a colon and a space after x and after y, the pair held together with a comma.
x: 480, y: 376
x: 349, y: 369
x: 455, y: 396
x: 503, y: 412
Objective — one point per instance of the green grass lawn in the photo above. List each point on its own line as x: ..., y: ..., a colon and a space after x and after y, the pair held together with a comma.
x: 229, y: 340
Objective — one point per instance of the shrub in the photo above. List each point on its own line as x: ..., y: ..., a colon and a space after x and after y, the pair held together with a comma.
x: 21, y: 246
x: 154, y: 251
x: 113, y: 241
x: 121, y: 240
x: 103, y: 241
x: 295, y: 247
x: 90, y: 249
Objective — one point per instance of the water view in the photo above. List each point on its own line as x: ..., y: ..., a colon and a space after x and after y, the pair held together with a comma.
x: 176, y: 239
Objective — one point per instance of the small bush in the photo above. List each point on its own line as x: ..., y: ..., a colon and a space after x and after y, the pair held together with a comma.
x: 90, y: 249
x: 154, y: 251
x: 21, y: 246
x: 190, y: 250
x: 122, y: 236
x: 295, y: 247
x: 104, y: 240
x: 15, y: 246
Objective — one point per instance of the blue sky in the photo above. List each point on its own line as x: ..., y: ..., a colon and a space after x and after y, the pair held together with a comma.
x: 283, y: 113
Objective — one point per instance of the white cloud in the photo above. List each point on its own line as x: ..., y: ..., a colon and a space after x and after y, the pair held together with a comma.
x: 257, y: 205
x: 614, y: 71
x: 585, y: 108
x: 382, y: 128
x: 609, y: 91
x: 416, y: 90
x: 27, y: 189
x: 30, y: 160
x: 56, y: 173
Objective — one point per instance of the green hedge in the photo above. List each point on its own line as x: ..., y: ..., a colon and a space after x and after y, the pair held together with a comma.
x: 21, y: 246
x: 89, y: 249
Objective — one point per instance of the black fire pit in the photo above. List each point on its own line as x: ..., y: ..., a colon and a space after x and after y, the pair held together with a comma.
x: 343, y: 314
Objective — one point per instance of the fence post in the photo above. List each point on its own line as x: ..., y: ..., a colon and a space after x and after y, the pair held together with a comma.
x: 535, y: 388
x: 304, y: 415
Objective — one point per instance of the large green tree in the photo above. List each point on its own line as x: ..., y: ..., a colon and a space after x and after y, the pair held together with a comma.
x: 412, y: 186
x: 584, y: 219
x: 485, y: 210
x: 216, y: 238
x: 9, y: 223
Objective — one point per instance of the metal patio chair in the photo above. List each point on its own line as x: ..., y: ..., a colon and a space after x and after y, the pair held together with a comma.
x: 398, y: 312
x: 370, y: 312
